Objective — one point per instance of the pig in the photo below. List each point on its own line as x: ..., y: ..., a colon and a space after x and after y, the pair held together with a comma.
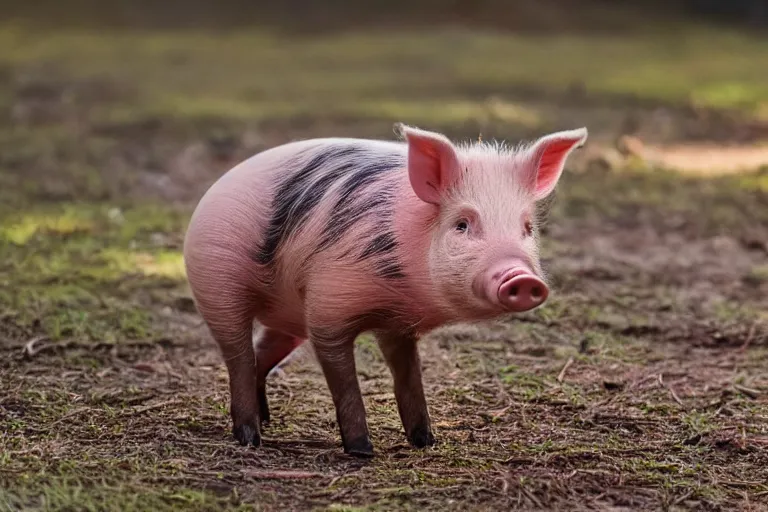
x: 324, y: 239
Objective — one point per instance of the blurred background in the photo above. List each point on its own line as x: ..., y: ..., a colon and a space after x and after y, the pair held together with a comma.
x: 116, y: 116
x: 138, y: 86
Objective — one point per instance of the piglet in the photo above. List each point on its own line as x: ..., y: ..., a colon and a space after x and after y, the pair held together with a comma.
x: 324, y: 239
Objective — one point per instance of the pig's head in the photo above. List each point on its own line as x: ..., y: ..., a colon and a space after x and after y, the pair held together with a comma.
x: 483, y: 254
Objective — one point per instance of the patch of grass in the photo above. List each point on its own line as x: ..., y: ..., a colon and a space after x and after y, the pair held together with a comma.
x: 664, y: 199
x: 335, y: 75
x: 65, y: 223
x: 699, y: 422
x: 531, y: 387
x: 757, y: 275
x: 726, y: 312
x: 72, y: 268
x: 66, y: 494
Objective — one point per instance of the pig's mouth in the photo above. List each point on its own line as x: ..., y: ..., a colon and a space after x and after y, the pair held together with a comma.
x: 515, y: 289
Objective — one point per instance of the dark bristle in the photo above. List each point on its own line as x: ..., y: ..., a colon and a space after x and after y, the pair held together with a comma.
x: 353, y: 204
x: 389, y: 268
x: 358, y: 171
x: 382, y: 244
x: 298, y: 195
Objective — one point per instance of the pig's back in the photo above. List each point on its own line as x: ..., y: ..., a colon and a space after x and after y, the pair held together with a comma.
x: 263, y: 223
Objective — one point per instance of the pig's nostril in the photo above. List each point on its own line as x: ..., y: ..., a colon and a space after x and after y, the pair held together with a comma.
x: 536, y: 292
x: 513, y: 291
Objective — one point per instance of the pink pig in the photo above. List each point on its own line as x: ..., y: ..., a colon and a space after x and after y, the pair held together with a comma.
x: 323, y: 239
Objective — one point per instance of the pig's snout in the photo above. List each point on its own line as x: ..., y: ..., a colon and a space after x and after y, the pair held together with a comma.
x: 521, y: 291
x: 514, y: 288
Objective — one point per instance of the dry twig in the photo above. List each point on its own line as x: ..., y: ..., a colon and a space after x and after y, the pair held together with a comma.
x: 34, y: 346
x: 747, y: 341
x: 669, y: 388
x: 282, y: 475
x: 751, y: 393
x: 567, y: 365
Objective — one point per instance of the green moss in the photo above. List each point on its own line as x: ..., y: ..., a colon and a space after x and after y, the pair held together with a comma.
x: 527, y: 386
x: 730, y: 312
x: 757, y: 275
x: 734, y: 203
x: 71, y: 267
x: 699, y: 422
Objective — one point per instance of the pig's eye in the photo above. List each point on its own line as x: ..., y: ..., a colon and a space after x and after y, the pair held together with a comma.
x: 462, y: 226
x: 528, y: 227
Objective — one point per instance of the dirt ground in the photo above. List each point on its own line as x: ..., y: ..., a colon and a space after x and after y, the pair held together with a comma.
x: 641, y: 385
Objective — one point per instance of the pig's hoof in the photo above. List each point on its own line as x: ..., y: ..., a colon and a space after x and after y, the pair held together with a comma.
x: 360, y: 447
x: 247, y: 434
x: 421, y: 437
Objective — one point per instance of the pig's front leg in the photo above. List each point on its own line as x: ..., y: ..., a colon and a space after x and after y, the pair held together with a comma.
x: 402, y: 356
x: 336, y: 356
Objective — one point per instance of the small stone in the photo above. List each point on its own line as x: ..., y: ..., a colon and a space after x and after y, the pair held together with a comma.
x: 185, y: 304
x: 630, y: 146
x: 613, y: 386
x: 115, y: 215
x: 144, y: 367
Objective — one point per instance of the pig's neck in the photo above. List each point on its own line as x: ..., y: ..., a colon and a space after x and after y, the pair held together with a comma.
x: 413, y: 223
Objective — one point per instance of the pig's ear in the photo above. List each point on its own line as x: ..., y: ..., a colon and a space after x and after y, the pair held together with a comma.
x: 432, y: 162
x: 547, y: 159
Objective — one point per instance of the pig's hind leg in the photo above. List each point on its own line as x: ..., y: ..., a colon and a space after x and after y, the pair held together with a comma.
x: 402, y: 356
x: 272, y: 347
x: 235, y: 338
x: 228, y: 309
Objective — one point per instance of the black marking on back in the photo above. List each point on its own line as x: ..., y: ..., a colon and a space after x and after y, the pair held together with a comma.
x: 382, y: 244
x: 382, y: 247
x: 359, y: 170
x: 390, y: 268
x: 352, y: 204
x: 298, y: 195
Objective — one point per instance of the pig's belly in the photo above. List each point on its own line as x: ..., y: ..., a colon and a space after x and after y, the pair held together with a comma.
x: 283, y: 323
x: 284, y: 314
